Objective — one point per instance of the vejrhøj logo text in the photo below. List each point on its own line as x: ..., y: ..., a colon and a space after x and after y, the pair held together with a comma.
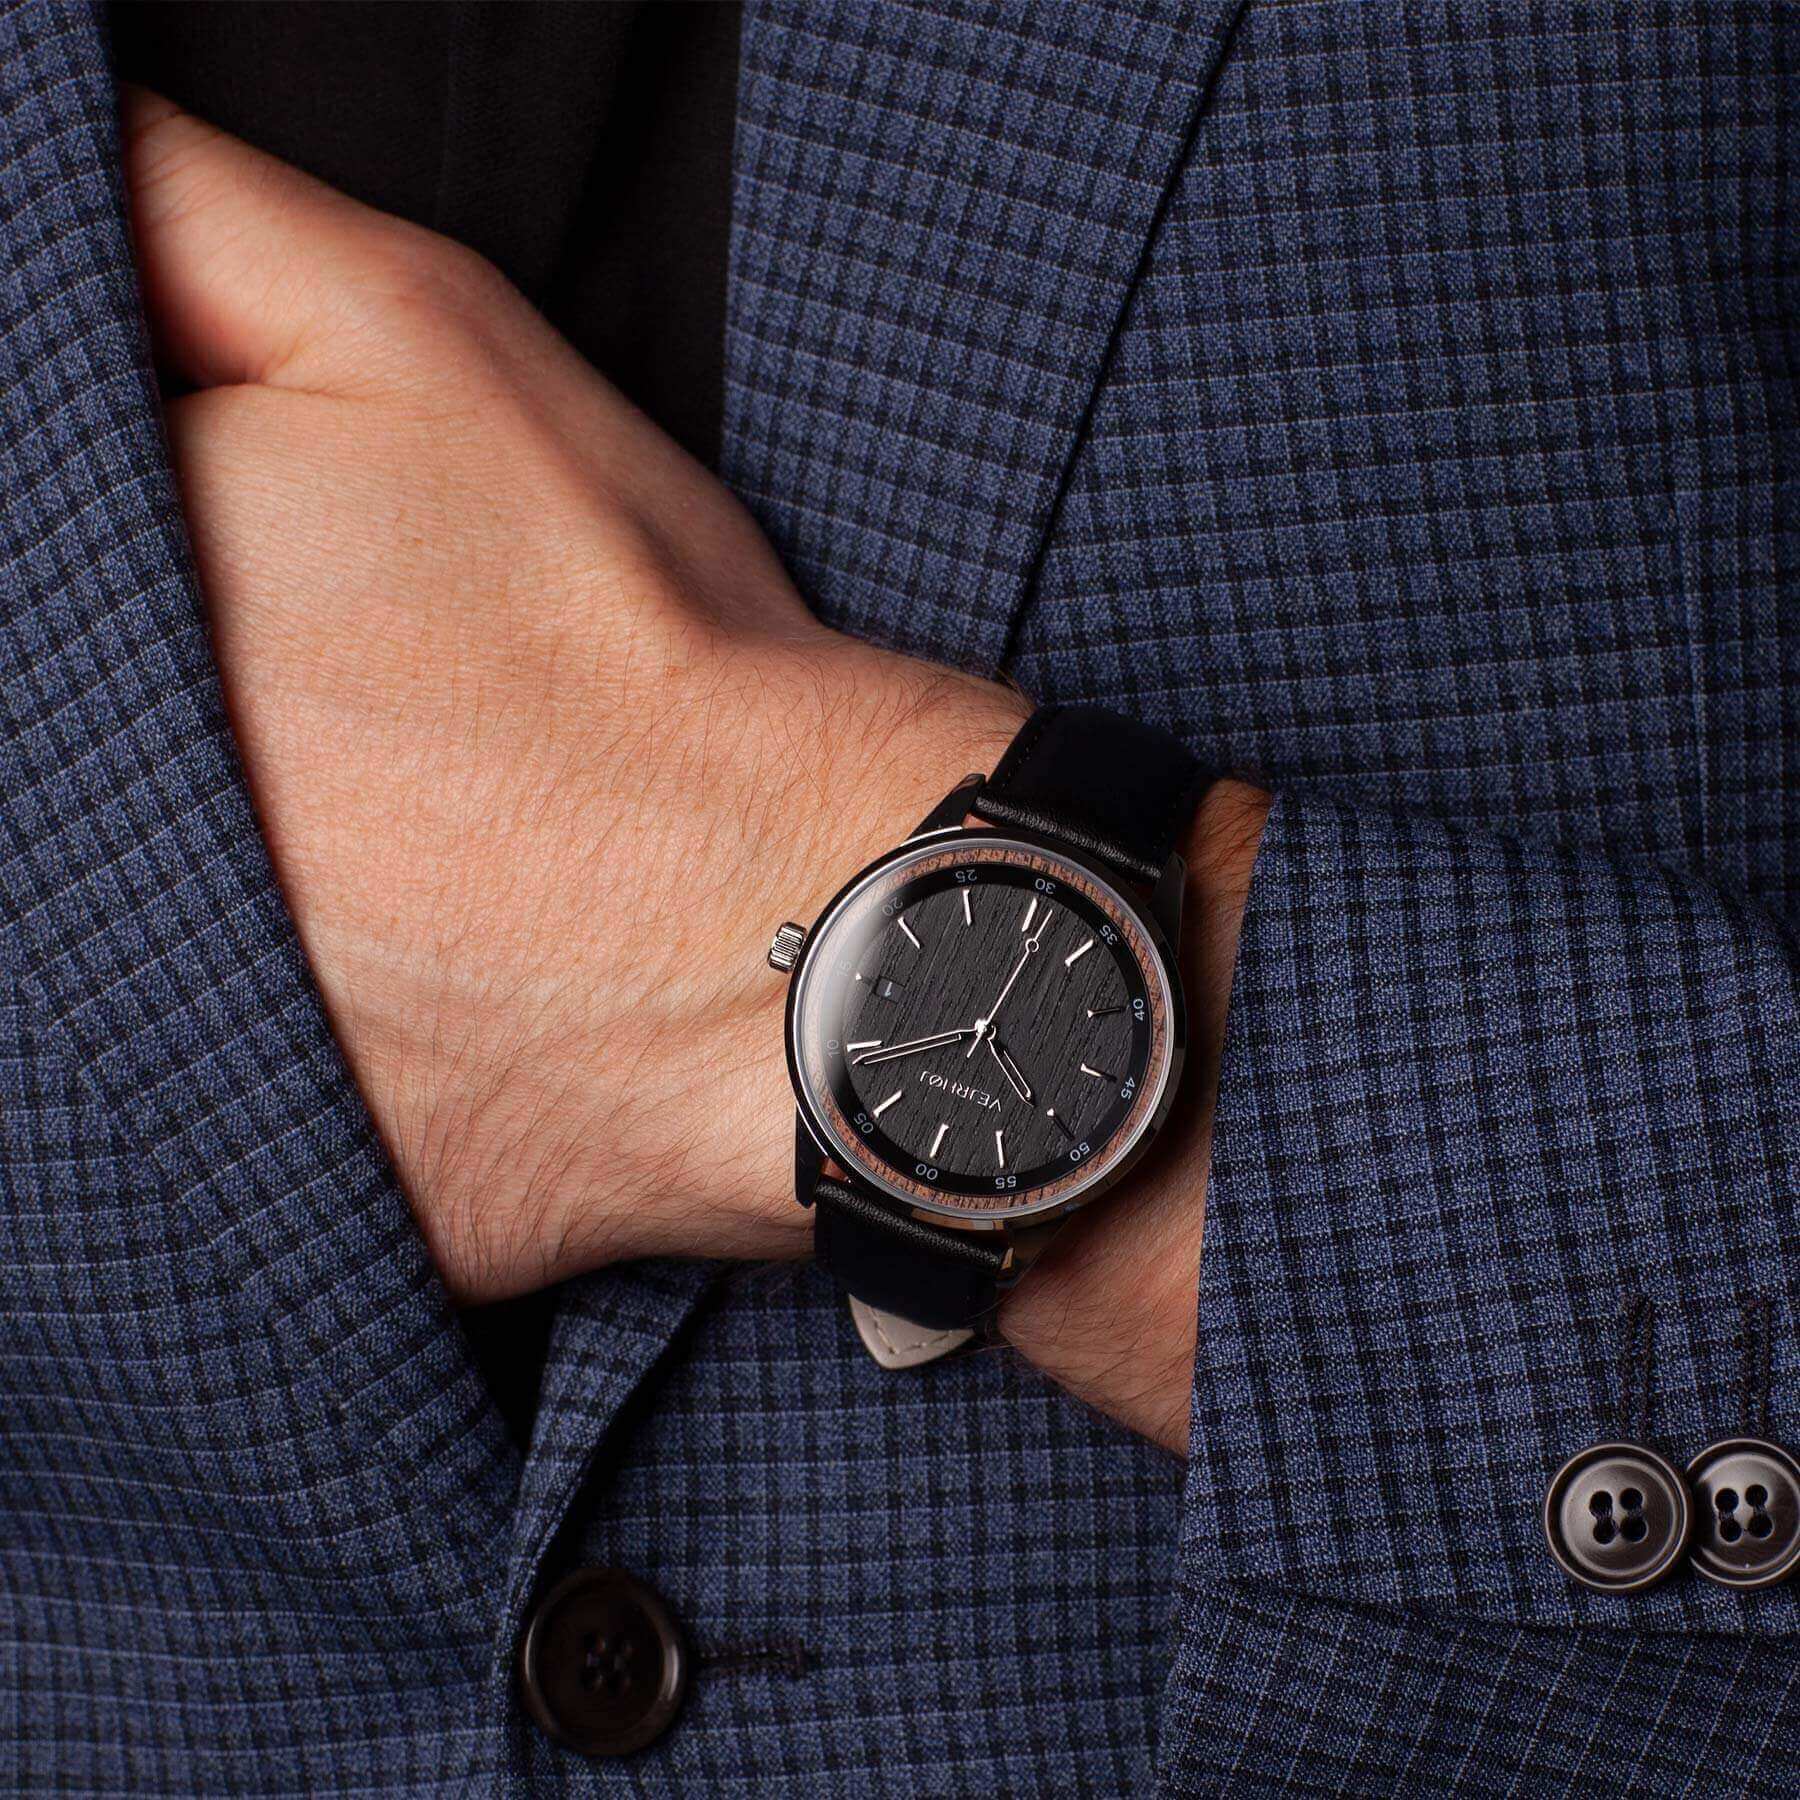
x: 960, y: 1090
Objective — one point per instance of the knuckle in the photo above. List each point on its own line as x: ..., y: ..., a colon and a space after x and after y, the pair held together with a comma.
x: 423, y: 284
x: 153, y: 126
x: 172, y: 157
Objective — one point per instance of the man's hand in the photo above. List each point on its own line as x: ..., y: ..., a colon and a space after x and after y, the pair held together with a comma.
x: 542, y: 739
x: 543, y: 742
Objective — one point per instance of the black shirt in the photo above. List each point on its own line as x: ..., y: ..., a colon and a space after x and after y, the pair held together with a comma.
x: 584, y: 148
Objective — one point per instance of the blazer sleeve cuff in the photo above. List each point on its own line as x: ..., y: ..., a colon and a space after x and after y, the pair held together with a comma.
x: 1477, y: 1094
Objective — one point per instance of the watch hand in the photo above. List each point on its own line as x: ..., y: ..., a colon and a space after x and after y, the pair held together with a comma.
x: 1009, y: 1068
x: 987, y: 1018
x: 911, y: 1047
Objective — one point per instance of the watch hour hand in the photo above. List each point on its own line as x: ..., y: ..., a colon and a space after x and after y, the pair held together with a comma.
x: 1009, y: 1068
x: 911, y: 1047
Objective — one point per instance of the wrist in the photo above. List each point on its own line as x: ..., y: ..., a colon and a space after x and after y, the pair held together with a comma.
x: 870, y: 742
x: 1110, y: 1312
x: 626, y: 1094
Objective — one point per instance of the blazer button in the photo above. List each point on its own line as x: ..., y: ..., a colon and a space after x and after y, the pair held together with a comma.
x: 1617, y: 1517
x: 1747, y: 1496
x: 603, y: 1667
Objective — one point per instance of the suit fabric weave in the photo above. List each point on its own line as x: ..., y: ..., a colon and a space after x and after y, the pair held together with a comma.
x: 1396, y: 402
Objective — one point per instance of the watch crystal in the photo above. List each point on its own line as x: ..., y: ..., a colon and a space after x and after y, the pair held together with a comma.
x: 983, y: 1025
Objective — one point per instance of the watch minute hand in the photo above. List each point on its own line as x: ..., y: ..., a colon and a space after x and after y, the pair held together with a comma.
x: 911, y: 1046
x: 987, y: 1018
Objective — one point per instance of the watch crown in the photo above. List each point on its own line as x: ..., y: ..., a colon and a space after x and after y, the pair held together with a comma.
x: 784, y: 951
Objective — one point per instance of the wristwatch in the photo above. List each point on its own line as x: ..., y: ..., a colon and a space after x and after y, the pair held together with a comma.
x: 985, y: 1028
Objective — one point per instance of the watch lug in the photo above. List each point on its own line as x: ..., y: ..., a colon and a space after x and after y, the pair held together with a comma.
x: 1165, y: 902
x: 1027, y: 1243
x: 809, y: 1162
x: 950, y: 811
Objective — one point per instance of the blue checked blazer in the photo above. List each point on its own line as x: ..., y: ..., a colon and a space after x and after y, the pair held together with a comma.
x: 1398, y: 402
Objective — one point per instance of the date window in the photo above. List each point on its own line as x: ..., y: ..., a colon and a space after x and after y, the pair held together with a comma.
x: 886, y: 989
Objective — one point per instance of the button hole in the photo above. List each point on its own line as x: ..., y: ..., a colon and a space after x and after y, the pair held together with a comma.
x: 775, y: 1656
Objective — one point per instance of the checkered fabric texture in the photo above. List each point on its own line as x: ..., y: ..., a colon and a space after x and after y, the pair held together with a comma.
x: 1396, y: 401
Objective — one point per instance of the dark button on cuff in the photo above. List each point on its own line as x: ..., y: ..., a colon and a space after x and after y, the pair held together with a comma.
x: 1618, y: 1517
x: 1747, y: 1506
x: 602, y: 1666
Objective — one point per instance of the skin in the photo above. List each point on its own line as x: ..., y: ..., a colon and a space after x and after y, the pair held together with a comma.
x: 543, y: 743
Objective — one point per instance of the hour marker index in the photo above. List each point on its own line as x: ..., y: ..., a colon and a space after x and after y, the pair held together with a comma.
x: 908, y: 930
x: 1103, y: 1012
x: 866, y: 1044
x: 968, y: 914
x: 889, y: 1101
x: 1000, y: 1148
x: 1098, y: 1074
x: 1077, y: 954
x: 943, y: 1131
x: 1030, y: 914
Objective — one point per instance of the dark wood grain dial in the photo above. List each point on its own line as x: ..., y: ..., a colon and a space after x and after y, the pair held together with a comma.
x: 982, y: 1026
x: 1013, y: 1095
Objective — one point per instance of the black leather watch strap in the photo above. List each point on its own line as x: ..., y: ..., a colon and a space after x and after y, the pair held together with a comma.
x: 1103, y: 784
x: 893, y: 1261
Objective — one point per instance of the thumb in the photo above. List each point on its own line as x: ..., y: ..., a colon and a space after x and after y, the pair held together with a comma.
x: 251, y: 271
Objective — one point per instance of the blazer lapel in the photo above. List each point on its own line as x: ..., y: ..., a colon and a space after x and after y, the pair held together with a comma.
x: 939, y: 214
x: 139, y: 911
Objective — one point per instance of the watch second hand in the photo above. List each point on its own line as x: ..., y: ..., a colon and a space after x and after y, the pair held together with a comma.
x: 987, y: 1019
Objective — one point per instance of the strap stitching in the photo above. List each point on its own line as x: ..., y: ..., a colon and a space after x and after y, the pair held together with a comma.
x: 893, y: 1349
